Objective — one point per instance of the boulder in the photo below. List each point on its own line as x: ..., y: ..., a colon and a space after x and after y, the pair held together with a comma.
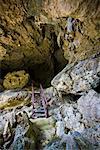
x: 78, y: 78
x: 16, y: 80
x: 10, y: 99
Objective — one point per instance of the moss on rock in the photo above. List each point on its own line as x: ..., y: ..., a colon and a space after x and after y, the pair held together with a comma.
x: 16, y: 80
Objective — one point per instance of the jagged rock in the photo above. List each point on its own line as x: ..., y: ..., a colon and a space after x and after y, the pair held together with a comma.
x: 68, y: 117
x: 7, y: 121
x: 79, y: 78
x: 15, y: 80
x: 78, y: 116
x: 89, y: 107
x: 82, y: 142
x: 55, y: 145
x: 50, y: 92
x: 24, y: 134
x: 52, y: 98
x: 75, y: 117
x: 25, y: 45
x: 29, y: 29
x: 10, y: 99
x: 45, y: 126
x: 81, y: 43
x: 93, y: 135
x: 89, y: 139
x: 71, y: 141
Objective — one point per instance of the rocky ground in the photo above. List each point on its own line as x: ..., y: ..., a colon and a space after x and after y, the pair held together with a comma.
x: 73, y: 104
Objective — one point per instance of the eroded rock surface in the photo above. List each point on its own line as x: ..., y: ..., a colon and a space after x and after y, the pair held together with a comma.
x: 89, y: 107
x: 79, y: 122
x: 77, y: 116
x: 29, y: 31
x: 16, y: 80
x: 10, y: 99
x: 68, y: 121
x: 18, y: 103
x: 41, y: 36
x: 79, y: 78
x: 16, y: 126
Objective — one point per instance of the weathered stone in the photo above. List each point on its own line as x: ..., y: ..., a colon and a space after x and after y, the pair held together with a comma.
x: 26, y: 134
x: 10, y: 99
x: 68, y: 117
x: 83, y: 114
x: 71, y: 141
x: 28, y: 40
x: 16, y: 80
x: 84, y: 42
x: 7, y: 120
x: 79, y: 78
x: 29, y: 31
x: 89, y: 107
x: 24, y: 44
x: 52, y: 98
x: 55, y: 145
x: 60, y: 128
x: 82, y: 142
x: 93, y: 135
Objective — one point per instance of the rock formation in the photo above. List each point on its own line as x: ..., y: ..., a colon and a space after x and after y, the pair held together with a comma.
x: 38, y: 39
x: 29, y: 31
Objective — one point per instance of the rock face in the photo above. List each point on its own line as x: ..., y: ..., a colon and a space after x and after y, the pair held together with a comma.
x: 62, y: 8
x: 81, y: 42
x: 55, y: 144
x: 24, y: 133
x: 29, y: 31
x: 10, y: 99
x: 16, y: 80
x: 79, y: 78
x: 68, y: 117
x: 89, y: 107
x: 25, y: 46
x: 41, y: 36
x: 79, y: 122
x: 93, y: 135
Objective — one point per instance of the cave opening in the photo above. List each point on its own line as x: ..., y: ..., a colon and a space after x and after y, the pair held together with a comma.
x: 40, y: 73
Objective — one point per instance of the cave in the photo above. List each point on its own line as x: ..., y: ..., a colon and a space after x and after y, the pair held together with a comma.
x: 34, y: 38
x: 41, y: 68
x: 49, y: 74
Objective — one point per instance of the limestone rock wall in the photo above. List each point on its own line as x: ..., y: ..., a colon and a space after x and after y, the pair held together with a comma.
x: 32, y: 34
